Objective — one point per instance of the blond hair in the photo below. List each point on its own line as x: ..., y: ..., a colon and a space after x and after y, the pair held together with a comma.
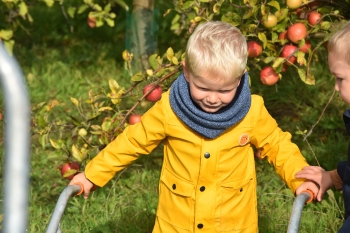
x: 217, y: 47
x: 339, y: 43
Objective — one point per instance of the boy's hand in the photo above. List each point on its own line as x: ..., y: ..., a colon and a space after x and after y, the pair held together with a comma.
x: 308, y: 185
x: 317, y: 175
x: 80, y: 178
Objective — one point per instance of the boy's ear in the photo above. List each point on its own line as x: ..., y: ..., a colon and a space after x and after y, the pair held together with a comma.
x: 185, y: 70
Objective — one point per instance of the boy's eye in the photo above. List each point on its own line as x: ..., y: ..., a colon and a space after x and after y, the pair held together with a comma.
x: 224, y: 91
x: 338, y: 79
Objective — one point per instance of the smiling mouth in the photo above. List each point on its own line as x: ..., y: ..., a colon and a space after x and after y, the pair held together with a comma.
x: 211, y: 106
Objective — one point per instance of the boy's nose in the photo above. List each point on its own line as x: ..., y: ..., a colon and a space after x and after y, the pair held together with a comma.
x: 336, y: 87
x: 212, y: 98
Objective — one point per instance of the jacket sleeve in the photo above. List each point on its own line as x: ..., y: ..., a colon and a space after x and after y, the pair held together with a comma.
x: 134, y: 141
x: 277, y: 146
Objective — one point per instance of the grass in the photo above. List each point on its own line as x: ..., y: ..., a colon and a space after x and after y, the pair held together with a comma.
x: 70, y: 66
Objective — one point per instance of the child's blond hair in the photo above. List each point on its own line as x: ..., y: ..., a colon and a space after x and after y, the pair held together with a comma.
x: 339, y: 43
x: 216, y: 47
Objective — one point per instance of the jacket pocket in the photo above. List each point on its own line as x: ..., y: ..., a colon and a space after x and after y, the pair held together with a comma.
x: 238, y: 204
x: 176, y: 203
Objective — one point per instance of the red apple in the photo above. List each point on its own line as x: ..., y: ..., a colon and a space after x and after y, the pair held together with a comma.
x: 296, y: 32
x: 314, y: 18
x: 91, y: 21
x: 154, y: 95
x: 305, y: 48
x: 268, y: 76
x: 282, y: 36
x: 69, y: 170
x: 254, y: 49
x: 134, y: 118
x: 288, y: 51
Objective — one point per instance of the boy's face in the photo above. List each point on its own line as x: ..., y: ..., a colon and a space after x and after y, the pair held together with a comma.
x: 211, y: 92
x: 341, y: 71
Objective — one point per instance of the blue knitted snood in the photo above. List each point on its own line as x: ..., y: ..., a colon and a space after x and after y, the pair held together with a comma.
x: 209, y: 125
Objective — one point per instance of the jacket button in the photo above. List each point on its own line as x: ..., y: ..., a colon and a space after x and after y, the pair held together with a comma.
x: 206, y: 155
x: 174, y: 186
x: 241, y: 190
x: 202, y: 188
x: 200, y: 226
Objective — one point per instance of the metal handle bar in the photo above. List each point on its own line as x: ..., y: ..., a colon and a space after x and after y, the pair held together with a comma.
x: 67, y: 193
x: 303, y: 198
x: 17, y: 145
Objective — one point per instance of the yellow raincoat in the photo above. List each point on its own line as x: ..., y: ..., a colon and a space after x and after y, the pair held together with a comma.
x: 206, y: 185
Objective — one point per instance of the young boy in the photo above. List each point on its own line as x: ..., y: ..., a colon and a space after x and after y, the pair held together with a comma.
x: 208, y: 122
x: 339, y: 65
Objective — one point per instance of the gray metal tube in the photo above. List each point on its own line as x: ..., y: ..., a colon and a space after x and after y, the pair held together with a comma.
x: 298, y: 206
x: 17, y: 145
x: 60, y: 207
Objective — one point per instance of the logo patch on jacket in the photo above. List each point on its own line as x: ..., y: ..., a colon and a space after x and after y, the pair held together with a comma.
x: 243, y: 139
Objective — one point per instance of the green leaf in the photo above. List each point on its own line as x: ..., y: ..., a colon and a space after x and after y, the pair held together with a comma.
x: 55, y: 144
x: 170, y: 54
x: 77, y: 153
x: 99, y: 22
x: 306, y: 78
x: 248, y: 14
x: 93, y: 116
x: 70, y: 172
x: 113, y: 85
x: 110, y: 22
x: 107, y: 8
x: 187, y: 5
x: 75, y: 101
x: 23, y: 9
x: 263, y: 39
x: 49, y: 3
x: 105, y: 109
x: 325, y: 25
x: 153, y: 61
x: 269, y: 59
x: 82, y: 8
x: 137, y: 77
x: 216, y: 7
x: 75, y: 121
x: 9, y: 46
x: 97, y: 7
x: 43, y: 140
x: 71, y: 11
x: 175, y: 61
x: 6, y: 34
x: 106, y: 125
x: 96, y: 127
x: 277, y: 62
x: 275, y: 4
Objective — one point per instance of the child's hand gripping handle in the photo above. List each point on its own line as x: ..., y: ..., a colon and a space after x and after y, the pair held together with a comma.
x: 68, y: 192
x: 303, y: 198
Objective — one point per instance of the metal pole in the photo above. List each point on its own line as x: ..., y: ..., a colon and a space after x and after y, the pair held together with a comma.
x: 298, y: 206
x: 60, y: 207
x: 17, y: 145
